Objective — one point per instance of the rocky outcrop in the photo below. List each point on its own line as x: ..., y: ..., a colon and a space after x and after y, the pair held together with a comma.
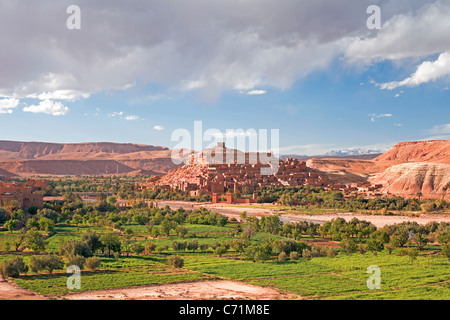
x: 437, y: 151
x: 98, y: 158
x: 430, y: 180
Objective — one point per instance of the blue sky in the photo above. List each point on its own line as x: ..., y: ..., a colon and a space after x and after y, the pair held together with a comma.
x: 327, y: 87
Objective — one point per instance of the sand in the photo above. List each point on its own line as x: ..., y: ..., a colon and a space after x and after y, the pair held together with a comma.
x: 203, y: 290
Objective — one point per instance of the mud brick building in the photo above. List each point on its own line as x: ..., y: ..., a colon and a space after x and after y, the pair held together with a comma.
x: 24, y: 193
x: 211, y: 171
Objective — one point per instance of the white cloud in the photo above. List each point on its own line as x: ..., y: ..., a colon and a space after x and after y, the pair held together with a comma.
x: 374, y: 116
x: 116, y: 114
x: 409, y: 34
x: 48, y: 107
x: 256, y: 92
x: 158, y: 128
x: 427, y: 71
x: 7, y: 105
x: 131, y: 118
x: 440, y: 129
x: 244, y: 47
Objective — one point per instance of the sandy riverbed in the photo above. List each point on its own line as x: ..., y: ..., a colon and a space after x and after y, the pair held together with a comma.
x: 378, y: 220
x: 203, y: 290
x: 11, y: 291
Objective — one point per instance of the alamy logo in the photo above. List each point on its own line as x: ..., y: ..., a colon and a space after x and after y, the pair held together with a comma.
x: 374, y: 281
x: 74, y: 20
x: 374, y: 21
x: 74, y: 281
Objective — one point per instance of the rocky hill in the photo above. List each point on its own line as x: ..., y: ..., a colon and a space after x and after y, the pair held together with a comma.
x: 437, y: 151
x: 39, y: 158
x: 428, y: 179
x: 406, y: 169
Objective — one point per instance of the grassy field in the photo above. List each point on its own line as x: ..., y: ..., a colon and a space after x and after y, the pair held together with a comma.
x: 399, y: 279
x: 339, y: 277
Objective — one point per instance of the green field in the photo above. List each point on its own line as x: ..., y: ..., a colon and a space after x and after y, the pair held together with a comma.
x: 338, y: 277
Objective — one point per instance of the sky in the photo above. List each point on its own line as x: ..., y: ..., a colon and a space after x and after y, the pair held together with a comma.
x: 136, y: 71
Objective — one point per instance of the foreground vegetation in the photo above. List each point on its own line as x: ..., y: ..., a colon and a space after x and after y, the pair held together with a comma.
x: 150, y: 245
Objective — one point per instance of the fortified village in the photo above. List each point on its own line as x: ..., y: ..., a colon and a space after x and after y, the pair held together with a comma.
x: 210, y: 171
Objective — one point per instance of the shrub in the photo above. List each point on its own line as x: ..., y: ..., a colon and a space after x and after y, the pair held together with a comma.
x: 76, y: 260
x: 137, y: 248
x: 282, y: 256
x: 74, y: 248
x: 176, y: 261
x: 389, y: 247
x: 319, y: 251
x: 362, y: 248
x: 36, y: 264
x: 149, y: 247
x: 446, y: 251
x: 51, y: 262
x: 294, y: 255
x: 92, y: 263
x: 348, y: 246
x: 13, y: 267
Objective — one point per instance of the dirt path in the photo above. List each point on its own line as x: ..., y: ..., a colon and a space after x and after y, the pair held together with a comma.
x: 11, y: 291
x: 202, y: 290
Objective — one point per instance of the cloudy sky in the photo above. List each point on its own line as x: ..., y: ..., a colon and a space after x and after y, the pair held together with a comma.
x: 138, y: 70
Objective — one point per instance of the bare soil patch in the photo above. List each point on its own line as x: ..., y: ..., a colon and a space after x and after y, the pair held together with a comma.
x: 11, y: 291
x: 202, y: 290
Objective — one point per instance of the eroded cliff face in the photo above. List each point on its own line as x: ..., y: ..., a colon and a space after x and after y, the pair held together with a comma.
x: 437, y: 151
x: 405, y: 170
x: 38, y: 158
x: 432, y: 180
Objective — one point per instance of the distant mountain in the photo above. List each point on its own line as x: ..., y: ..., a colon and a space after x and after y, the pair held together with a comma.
x: 343, y: 156
x: 91, y: 158
x: 349, y: 152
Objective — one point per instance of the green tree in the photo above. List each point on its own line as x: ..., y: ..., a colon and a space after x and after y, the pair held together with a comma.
x: 13, y: 267
x: 93, y: 263
x: 149, y: 247
x: 46, y: 224
x: 220, y: 250
x: 76, y: 260
x: 176, y: 261
x: 193, y: 245
x: 167, y: 225
x: 52, y: 262
x: 446, y: 251
x: 34, y: 240
x: 19, y: 240
x: 375, y: 245
x: 92, y: 240
x: 11, y: 225
x: 420, y: 239
x: 348, y: 246
x: 181, y: 231
x: 412, y: 253
x: 111, y: 242
x: 137, y: 248
x: 400, y: 238
x: 282, y: 257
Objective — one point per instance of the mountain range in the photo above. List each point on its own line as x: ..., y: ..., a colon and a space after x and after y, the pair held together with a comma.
x: 407, y: 169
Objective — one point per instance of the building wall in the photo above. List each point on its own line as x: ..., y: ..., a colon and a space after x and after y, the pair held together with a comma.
x: 22, y: 193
